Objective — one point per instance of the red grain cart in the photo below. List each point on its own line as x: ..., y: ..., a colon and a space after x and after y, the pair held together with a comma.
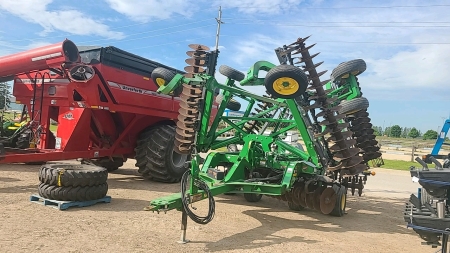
x: 105, y: 104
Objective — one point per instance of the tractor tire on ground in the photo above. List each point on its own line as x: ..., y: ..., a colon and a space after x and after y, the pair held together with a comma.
x: 295, y: 207
x: 252, y: 197
x: 70, y: 175
x: 351, y: 106
x: 232, y: 104
x: 155, y: 155
x: 286, y: 81
x: 354, y: 67
x: 67, y: 193
x: 231, y: 73
x: 341, y: 201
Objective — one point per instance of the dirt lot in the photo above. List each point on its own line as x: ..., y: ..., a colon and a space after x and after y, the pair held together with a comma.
x: 373, y: 224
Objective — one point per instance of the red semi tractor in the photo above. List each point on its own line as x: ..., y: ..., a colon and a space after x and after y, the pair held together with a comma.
x: 106, y: 106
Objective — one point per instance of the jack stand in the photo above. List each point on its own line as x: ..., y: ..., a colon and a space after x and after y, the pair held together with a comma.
x: 183, y: 227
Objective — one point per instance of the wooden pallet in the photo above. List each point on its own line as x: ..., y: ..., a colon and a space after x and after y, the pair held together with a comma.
x: 63, y: 205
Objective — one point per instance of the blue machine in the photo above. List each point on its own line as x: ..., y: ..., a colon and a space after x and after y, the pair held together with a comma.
x: 439, y: 142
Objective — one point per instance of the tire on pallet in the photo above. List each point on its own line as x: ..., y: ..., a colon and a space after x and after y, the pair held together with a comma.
x: 155, y: 155
x: 162, y: 76
x: 341, y: 201
x: 286, y: 81
x: 231, y: 73
x: 354, y: 67
x: 232, y: 104
x: 72, y: 175
x: 352, y: 106
x: 69, y: 193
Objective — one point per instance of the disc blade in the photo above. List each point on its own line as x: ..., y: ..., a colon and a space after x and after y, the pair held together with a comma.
x: 199, y: 47
x: 327, y: 200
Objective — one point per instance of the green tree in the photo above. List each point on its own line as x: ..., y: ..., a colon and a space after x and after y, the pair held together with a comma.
x: 4, y: 93
x: 376, y: 130
x: 396, y: 131
x: 430, y: 135
x: 387, y: 131
x: 413, y: 133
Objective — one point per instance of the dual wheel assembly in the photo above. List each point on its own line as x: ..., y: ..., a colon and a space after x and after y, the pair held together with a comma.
x: 72, y: 182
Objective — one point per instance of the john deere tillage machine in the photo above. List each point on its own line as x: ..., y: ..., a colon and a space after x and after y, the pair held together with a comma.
x: 316, y: 178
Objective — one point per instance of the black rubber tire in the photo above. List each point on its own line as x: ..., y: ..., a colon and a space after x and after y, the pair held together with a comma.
x: 79, y: 193
x: 252, y: 197
x: 164, y: 76
x: 231, y: 73
x: 155, y: 152
x: 352, y: 106
x: 355, y: 67
x: 232, y: 104
x: 72, y: 175
x: 288, y: 71
x: 339, y: 209
x: 108, y: 164
x: 295, y: 207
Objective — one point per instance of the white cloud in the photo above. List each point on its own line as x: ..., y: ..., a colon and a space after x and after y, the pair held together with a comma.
x: 71, y: 21
x: 259, y: 6
x: 145, y: 10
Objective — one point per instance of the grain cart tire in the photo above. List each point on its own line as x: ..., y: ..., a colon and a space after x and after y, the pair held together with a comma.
x: 232, y: 104
x: 72, y: 175
x: 68, y: 193
x: 161, y: 76
x: 354, y: 67
x: 231, y: 73
x: 351, y: 106
x: 155, y: 155
x: 341, y: 201
x: 286, y: 81
x: 295, y: 207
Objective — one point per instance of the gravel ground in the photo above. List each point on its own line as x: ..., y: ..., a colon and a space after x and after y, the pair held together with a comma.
x: 374, y: 221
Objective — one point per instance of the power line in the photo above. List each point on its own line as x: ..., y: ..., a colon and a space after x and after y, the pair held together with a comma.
x: 347, y: 7
x: 344, y: 26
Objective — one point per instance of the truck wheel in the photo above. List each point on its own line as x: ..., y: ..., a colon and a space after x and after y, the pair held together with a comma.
x: 232, y: 104
x: 231, y: 73
x: 343, y: 70
x: 155, y: 155
x: 68, y: 193
x: 354, y: 105
x: 341, y: 201
x: 72, y: 175
x: 286, y: 81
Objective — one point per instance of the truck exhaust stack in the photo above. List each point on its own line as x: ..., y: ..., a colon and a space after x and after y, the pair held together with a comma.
x: 51, y: 56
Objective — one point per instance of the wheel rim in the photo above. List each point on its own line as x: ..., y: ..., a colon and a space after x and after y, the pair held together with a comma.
x: 343, y: 202
x: 178, y: 159
x: 160, y: 81
x: 285, y: 86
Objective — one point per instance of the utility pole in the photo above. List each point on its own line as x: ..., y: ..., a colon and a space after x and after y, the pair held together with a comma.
x: 219, y: 22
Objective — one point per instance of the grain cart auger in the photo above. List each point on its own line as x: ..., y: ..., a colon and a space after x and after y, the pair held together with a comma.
x: 342, y: 89
x: 266, y: 165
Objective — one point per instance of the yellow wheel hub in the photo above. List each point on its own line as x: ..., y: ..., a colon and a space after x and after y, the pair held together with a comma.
x: 160, y: 81
x: 285, y: 86
x: 343, y: 198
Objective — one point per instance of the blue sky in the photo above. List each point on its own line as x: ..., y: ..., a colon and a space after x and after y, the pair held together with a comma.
x: 406, y: 44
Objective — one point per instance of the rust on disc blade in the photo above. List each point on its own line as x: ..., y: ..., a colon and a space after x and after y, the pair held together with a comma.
x: 345, y: 135
x: 337, y: 167
x: 191, y: 90
x: 327, y: 200
x: 296, y: 195
x: 183, y: 139
x: 316, y: 195
x: 310, y: 200
x: 199, y: 47
x: 191, y: 113
x: 195, y: 62
x: 192, y: 69
x: 358, y: 169
x: 197, y: 54
x: 187, y: 121
x: 342, y: 156
x: 302, y: 199
x: 189, y: 133
x: 353, y: 162
x: 345, y: 143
